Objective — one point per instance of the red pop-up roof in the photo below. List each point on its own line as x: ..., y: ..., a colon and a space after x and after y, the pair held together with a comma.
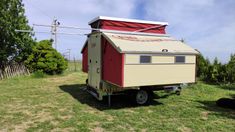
x: 131, y: 25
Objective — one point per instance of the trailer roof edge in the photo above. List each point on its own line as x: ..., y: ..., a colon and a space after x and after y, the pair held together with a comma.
x: 133, y: 33
x: 126, y: 20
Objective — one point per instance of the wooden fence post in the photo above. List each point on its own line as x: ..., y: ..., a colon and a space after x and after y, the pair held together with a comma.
x: 13, y: 70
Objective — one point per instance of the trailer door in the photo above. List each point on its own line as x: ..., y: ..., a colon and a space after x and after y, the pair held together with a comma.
x: 94, y: 60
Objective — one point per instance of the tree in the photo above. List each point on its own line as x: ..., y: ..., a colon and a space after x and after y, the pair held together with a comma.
x: 15, y: 46
x: 216, y: 72
x: 45, y: 58
x: 231, y: 69
x: 202, y: 66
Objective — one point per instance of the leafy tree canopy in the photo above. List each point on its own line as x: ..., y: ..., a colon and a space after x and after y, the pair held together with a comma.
x: 15, y: 46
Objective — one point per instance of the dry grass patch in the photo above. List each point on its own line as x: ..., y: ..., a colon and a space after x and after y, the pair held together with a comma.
x: 204, y: 115
x: 185, y: 129
x: 98, y: 129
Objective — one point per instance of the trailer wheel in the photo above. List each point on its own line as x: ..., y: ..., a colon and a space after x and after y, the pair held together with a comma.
x: 142, y: 97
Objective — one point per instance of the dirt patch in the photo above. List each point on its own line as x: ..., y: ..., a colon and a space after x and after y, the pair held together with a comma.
x: 185, y: 129
x: 110, y: 118
x: 27, y: 112
x: 98, y: 129
x: 132, y: 129
x: 144, y: 130
x: 204, y: 115
x: 65, y: 117
x: 22, y: 127
x: 63, y: 130
x: 91, y: 110
x: 43, y: 116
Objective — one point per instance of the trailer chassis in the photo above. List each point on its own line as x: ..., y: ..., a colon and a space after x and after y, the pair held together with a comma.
x: 142, y: 94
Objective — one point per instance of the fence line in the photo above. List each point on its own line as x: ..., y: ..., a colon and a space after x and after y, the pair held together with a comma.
x: 74, y: 65
x: 13, y: 70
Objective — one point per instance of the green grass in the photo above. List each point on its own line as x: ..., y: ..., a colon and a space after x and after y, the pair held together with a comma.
x: 59, y: 103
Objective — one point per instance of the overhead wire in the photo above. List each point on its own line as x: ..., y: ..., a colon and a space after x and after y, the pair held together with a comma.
x: 62, y: 33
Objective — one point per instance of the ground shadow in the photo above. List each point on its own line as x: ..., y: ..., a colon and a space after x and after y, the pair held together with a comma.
x: 78, y: 92
x: 216, y: 110
x: 232, y: 96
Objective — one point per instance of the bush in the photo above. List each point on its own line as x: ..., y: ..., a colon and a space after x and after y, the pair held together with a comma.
x: 46, y: 59
x: 38, y: 74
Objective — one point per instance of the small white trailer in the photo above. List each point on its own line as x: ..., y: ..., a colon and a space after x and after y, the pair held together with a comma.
x: 135, y: 56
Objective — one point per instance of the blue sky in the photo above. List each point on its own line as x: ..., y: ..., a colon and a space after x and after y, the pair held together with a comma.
x: 207, y: 25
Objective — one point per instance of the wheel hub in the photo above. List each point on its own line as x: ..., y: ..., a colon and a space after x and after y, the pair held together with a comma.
x: 141, y: 97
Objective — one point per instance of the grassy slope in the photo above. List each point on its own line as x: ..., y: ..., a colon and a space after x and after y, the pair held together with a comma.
x: 58, y: 103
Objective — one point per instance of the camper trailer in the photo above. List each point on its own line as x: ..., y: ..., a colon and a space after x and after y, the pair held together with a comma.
x: 135, y: 56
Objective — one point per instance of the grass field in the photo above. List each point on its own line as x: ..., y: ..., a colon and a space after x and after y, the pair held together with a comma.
x: 59, y: 103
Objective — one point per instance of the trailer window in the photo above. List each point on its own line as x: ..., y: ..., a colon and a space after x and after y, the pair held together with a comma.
x: 179, y: 59
x: 145, y: 59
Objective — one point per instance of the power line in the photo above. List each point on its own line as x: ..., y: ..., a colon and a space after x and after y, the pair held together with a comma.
x: 68, y: 27
x: 30, y: 31
x: 62, y: 33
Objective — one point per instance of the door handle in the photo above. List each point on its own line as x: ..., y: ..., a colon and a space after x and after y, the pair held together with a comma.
x: 98, y: 70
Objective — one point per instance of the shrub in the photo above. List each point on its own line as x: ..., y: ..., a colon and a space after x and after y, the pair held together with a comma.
x: 46, y: 59
x: 38, y: 74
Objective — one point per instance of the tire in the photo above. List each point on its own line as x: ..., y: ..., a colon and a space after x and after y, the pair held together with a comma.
x: 143, y: 97
x: 178, y: 92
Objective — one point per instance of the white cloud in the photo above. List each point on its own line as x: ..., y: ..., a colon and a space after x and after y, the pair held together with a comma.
x: 207, y: 25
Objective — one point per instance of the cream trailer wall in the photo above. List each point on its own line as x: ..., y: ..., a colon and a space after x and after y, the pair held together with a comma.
x: 162, y: 69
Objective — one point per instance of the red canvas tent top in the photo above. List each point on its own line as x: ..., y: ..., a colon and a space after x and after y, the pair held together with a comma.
x: 132, y: 25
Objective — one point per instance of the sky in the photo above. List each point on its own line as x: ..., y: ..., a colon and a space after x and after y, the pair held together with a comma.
x: 206, y: 25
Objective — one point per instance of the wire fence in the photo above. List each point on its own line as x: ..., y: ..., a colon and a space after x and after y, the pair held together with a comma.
x: 74, y: 65
x: 13, y: 70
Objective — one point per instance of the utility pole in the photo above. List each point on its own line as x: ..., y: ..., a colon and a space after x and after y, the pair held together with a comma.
x: 54, y: 26
x: 69, y: 51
